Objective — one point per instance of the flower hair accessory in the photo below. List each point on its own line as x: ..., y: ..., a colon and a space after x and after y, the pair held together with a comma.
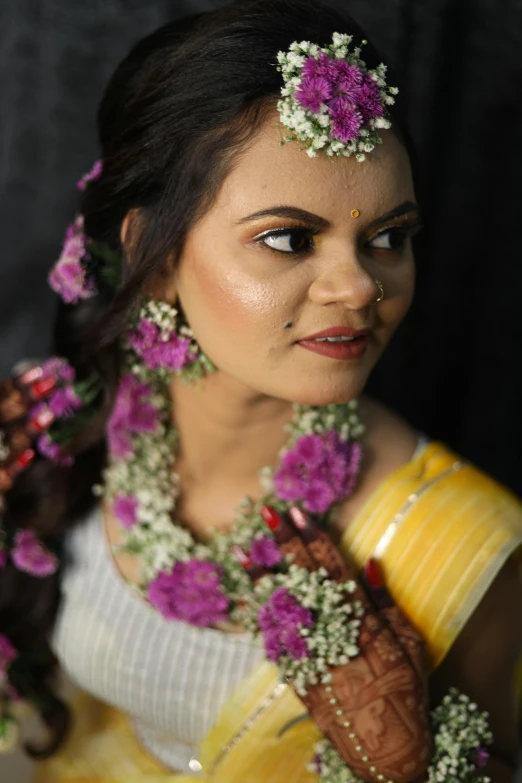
x: 330, y: 100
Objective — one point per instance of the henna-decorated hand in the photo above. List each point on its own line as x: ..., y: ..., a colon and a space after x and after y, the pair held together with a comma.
x: 18, y: 428
x: 375, y: 711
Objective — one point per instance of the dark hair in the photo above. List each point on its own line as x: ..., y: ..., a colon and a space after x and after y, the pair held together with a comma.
x: 175, y: 114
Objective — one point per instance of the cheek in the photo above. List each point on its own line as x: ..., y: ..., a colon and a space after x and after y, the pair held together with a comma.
x: 218, y: 293
x: 399, y: 287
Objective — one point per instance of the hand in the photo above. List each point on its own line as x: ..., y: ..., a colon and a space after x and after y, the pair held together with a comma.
x: 20, y: 424
x: 382, y: 693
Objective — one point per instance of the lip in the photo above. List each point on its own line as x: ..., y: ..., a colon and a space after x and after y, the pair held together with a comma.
x: 337, y: 331
x: 340, y: 351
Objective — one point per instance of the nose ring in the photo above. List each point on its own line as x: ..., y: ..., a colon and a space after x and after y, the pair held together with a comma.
x: 381, y: 289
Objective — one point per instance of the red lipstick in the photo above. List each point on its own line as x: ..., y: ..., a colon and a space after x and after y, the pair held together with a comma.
x: 353, y: 346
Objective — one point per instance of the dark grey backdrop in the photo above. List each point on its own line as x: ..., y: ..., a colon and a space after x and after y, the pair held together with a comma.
x: 455, y: 368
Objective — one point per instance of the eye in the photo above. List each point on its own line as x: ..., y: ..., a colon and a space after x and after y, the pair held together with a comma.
x: 288, y: 240
x: 393, y: 239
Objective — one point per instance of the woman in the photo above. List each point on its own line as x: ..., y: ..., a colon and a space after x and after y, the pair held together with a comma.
x: 211, y: 248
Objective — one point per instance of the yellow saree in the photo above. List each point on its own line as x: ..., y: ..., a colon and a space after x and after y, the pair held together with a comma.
x: 442, y: 530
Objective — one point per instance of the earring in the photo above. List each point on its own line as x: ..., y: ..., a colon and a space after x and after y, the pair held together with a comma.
x: 381, y: 289
x: 166, y: 344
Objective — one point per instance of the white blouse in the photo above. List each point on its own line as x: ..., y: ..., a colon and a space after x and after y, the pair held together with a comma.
x: 171, y: 678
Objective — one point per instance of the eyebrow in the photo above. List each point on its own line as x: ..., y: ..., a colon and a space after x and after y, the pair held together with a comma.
x: 295, y: 213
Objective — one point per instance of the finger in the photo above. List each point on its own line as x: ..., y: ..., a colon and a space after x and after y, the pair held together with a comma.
x: 12, y: 403
x: 321, y: 546
x: 255, y: 572
x: 12, y: 469
x: 17, y: 438
x: 410, y: 639
x: 289, y: 540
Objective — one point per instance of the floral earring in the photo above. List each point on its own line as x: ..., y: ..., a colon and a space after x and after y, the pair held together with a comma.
x: 166, y: 344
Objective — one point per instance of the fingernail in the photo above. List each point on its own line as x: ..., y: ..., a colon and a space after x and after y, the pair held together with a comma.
x: 299, y: 518
x: 27, y: 377
x: 22, y: 462
x: 42, y: 388
x: 373, y: 573
x: 271, y: 517
x: 241, y: 556
x: 42, y: 421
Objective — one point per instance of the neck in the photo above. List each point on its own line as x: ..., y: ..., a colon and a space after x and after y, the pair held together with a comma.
x: 226, y: 430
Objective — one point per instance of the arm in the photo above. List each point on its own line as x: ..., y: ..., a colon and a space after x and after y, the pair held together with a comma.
x: 482, y: 663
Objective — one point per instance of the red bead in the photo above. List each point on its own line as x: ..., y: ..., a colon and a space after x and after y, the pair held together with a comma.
x: 271, y: 517
x: 24, y: 459
x: 43, y: 387
x: 373, y: 573
x: 43, y: 421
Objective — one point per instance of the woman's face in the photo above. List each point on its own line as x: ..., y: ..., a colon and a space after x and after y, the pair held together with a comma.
x: 280, y: 246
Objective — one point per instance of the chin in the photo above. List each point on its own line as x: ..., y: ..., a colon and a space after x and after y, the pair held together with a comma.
x: 329, y: 391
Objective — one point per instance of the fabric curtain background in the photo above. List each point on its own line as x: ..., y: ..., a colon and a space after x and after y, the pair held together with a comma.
x: 454, y: 369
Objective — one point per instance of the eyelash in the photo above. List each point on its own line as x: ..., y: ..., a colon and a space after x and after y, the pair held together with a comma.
x: 405, y: 231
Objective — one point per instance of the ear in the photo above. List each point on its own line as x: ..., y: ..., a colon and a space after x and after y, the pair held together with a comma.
x: 161, y: 284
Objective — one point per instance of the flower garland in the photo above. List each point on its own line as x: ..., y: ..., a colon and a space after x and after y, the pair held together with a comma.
x: 460, y: 734
x: 205, y: 583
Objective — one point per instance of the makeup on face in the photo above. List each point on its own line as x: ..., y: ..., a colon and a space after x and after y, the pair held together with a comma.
x: 279, y: 258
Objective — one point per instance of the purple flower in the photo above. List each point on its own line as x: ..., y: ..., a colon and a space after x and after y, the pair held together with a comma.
x: 265, y: 552
x: 91, y: 175
x: 319, y: 67
x: 59, y: 368
x: 125, y: 508
x: 347, y: 77
x: 280, y: 621
x: 319, y: 470
x: 132, y: 412
x: 8, y: 654
x: 64, y: 401
x: 481, y: 757
x: 160, y: 349
x: 53, y: 452
x: 68, y: 278
x: 30, y: 555
x: 313, y: 92
x: 368, y: 100
x: 192, y: 593
x: 345, y: 121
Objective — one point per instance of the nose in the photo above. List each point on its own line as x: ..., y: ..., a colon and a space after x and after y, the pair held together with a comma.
x: 344, y: 280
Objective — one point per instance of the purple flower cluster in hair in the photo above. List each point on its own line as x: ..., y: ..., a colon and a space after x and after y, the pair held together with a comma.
x: 192, y: 592
x: 133, y: 412
x: 8, y: 654
x: 318, y: 471
x: 350, y: 94
x: 161, y: 349
x: 91, y: 175
x: 29, y: 554
x: 280, y: 621
x: 69, y: 277
x: 53, y: 451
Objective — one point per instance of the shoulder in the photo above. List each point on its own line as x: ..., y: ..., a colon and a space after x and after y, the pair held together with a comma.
x: 444, y: 477
x: 388, y: 443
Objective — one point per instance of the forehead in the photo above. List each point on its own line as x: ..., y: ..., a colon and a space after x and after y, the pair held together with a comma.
x: 269, y: 173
